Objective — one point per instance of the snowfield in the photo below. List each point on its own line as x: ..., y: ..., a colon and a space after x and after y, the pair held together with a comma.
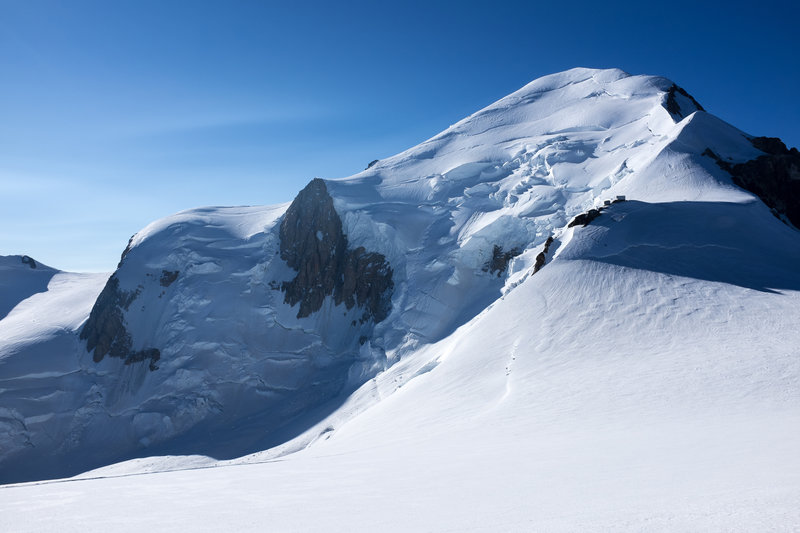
x: 647, y: 377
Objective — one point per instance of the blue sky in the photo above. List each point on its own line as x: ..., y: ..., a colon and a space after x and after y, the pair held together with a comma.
x: 118, y: 113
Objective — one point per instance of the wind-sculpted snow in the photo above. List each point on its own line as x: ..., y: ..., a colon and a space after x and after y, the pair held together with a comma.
x: 732, y: 248
x: 282, y: 327
x: 593, y: 396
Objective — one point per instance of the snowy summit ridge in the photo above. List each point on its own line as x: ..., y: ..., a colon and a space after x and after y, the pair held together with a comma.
x: 452, y: 278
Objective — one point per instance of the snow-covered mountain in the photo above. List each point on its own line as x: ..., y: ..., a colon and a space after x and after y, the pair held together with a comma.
x: 472, y: 300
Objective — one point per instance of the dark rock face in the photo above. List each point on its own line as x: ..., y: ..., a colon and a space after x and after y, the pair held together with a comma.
x: 153, y: 354
x: 105, y: 332
x: 673, y: 106
x: 773, y: 177
x: 125, y: 251
x: 542, y: 257
x: 28, y: 261
x: 584, y: 218
x: 372, y: 163
x: 367, y: 282
x: 500, y: 259
x: 168, y: 277
x: 313, y: 244
x: 770, y: 145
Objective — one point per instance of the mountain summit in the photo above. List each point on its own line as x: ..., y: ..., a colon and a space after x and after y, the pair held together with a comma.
x: 594, y: 258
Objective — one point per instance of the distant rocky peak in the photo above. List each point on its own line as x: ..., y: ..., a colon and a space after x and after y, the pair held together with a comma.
x: 311, y: 232
x: 313, y: 244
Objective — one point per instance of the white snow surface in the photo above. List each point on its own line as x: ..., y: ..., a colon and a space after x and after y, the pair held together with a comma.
x: 645, y: 379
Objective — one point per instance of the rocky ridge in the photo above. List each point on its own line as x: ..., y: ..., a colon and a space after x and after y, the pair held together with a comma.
x: 774, y: 177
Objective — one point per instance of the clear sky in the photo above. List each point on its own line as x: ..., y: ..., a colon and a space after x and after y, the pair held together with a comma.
x: 115, y: 113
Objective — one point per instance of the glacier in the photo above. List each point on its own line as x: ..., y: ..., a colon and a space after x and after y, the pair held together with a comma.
x: 644, y: 375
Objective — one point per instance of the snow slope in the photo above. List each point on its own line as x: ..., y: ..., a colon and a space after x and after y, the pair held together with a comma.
x: 22, y: 277
x: 39, y: 370
x: 592, y: 396
x: 644, y: 378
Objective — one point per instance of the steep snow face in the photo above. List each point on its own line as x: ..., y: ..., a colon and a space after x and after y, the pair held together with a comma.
x: 204, y: 341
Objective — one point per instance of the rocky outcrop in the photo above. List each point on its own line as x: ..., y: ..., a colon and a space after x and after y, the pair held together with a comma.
x: 770, y: 145
x: 366, y: 282
x: 674, y: 107
x: 584, y: 218
x: 774, y: 177
x: 105, y: 332
x: 28, y: 261
x: 313, y: 244
x: 541, y: 259
x: 500, y: 259
x: 168, y: 277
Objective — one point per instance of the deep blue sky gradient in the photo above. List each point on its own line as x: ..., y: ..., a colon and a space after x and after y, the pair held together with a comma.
x: 115, y: 113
